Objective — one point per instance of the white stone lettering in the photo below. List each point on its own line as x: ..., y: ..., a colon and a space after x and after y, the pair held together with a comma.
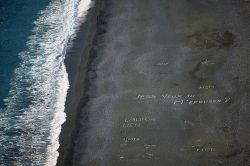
x: 144, y: 97
x: 170, y: 96
x: 178, y: 101
x: 206, y: 87
x: 131, y: 125
x: 139, y: 119
x: 126, y: 139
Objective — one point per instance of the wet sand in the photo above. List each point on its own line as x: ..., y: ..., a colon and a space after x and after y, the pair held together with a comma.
x: 78, y: 62
x: 167, y: 85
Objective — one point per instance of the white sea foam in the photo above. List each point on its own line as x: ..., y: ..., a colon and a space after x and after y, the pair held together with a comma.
x: 42, y: 80
x: 83, y: 8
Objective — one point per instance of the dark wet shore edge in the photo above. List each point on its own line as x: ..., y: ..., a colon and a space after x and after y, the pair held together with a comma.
x: 78, y: 63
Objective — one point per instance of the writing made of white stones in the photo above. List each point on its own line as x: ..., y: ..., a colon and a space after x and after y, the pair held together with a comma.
x: 136, y: 122
x: 198, y: 148
x: 190, y: 99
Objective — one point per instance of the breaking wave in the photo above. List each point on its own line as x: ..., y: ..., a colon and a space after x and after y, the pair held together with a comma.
x: 31, y: 122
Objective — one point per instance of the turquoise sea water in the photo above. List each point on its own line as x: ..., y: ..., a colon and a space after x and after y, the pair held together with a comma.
x: 16, y: 23
x: 34, y: 37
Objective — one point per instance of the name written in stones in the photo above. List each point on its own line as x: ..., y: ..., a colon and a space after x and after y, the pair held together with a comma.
x: 179, y: 99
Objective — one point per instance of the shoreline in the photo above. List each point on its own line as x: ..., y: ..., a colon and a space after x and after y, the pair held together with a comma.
x: 78, y: 63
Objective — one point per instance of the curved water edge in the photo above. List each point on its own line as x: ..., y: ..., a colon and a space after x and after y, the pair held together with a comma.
x: 31, y: 122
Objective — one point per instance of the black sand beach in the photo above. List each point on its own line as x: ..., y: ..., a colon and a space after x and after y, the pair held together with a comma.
x: 78, y: 63
x: 159, y: 83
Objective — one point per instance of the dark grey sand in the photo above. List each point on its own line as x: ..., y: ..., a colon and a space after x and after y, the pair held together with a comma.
x: 77, y: 63
x: 167, y: 85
